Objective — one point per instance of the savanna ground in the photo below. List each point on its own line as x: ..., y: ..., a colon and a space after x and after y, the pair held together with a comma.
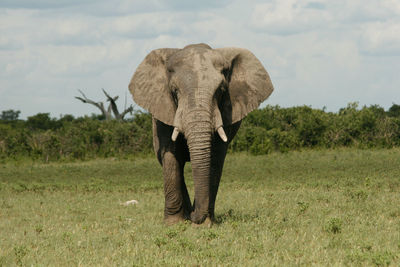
x: 328, y: 207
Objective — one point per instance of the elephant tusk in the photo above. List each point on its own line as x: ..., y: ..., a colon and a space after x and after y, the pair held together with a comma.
x: 175, y: 134
x: 222, y: 134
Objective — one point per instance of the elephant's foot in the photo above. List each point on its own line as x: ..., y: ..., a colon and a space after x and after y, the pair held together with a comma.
x: 200, y: 218
x: 206, y: 223
x: 174, y: 219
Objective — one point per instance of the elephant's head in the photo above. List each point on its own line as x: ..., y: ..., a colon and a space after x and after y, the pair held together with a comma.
x: 199, y: 90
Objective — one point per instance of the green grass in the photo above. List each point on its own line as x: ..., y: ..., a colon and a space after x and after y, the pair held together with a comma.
x: 328, y: 207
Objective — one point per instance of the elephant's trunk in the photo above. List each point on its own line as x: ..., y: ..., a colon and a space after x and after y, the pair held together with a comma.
x: 199, y: 135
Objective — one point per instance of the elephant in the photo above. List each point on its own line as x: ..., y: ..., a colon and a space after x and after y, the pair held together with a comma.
x: 197, y: 97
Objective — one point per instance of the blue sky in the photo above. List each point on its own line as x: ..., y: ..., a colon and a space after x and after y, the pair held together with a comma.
x: 318, y: 53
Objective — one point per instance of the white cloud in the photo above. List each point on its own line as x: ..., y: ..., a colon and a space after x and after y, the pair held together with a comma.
x: 381, y: 38
x: 288, y: 16
x: 41, y: 4
x: 144, y: 26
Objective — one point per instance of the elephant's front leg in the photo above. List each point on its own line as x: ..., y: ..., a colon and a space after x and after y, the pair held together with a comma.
x: 217, y: 164
x: 177, y: 201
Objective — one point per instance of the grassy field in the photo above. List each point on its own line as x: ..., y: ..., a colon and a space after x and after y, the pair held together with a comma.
x: 339, y: 207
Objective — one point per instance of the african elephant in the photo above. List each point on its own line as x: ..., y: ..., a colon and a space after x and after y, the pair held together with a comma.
x: 197, y: 97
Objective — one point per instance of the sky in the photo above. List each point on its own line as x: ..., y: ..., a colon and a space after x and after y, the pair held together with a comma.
x: 318, y: 53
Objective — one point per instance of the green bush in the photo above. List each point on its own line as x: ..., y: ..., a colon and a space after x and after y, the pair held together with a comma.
x: 284, y: 141
x: 41, y: 137
x: 264, y: 130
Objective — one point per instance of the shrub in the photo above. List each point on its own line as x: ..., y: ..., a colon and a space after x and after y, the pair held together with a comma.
x: 253, y: 139
x: 264, y: 130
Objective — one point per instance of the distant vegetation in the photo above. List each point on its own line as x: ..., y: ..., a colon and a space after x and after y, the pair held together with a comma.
x: 284, y: 129
x: 265, y: 130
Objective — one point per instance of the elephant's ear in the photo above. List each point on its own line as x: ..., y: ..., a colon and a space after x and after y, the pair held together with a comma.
x: 248, y: 84
x: 149, y: 86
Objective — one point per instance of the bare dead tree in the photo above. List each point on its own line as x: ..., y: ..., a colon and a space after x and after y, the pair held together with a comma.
x: 112, y: 107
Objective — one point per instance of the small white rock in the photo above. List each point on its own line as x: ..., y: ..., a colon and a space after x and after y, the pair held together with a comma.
x: 130, y: 202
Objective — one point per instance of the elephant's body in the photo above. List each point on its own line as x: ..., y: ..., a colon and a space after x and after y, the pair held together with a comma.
x: 198, y: 97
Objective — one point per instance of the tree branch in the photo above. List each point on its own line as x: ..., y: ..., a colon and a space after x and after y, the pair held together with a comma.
x: 99, y: 105
x: 113, y: 105
x: 122, y: 115
x: 111, y: 108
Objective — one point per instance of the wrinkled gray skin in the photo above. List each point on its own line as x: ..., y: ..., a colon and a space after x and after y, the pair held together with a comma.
x: 203, y: 94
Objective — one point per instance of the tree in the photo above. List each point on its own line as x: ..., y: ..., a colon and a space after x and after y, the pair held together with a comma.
x: 112, y: 107
x: 41, y: 121
x: 394, y: 110
x: 10, y: 115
